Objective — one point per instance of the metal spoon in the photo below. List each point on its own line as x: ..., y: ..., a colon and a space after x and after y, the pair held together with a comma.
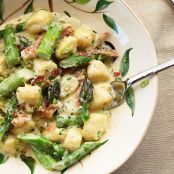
x: 121, y: 87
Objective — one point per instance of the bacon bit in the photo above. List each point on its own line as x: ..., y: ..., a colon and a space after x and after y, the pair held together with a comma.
x: 117, y: 74
x: 39, y: 80
x: 49, y: 111
x: 69, y: 31
x: 37, y: 43
x: 29, y: 52
x: 56, y: 72
x: 51, y: 127
x: 82, y: 53
x: 21, y: 119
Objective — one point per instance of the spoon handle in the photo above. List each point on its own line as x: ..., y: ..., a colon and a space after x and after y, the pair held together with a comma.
x: 151, y: 71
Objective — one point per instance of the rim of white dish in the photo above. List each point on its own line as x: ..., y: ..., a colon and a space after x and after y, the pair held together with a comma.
x: 155, y: 84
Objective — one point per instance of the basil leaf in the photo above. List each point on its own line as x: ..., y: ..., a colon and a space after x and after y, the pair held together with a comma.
x: 3, y: 158
x: 29, y: 8
x: 1, y: 9
x: 124, y: 67
x: 110, y: 22
x: 67, y: 13
x: 102, y: 4
x: 81, y: 1
x: 29, y: 161
x: 130, y: 99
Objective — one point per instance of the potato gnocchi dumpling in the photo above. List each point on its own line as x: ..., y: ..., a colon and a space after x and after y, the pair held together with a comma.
x: 97, y: 71
x: 67, y: 46
x: 84, y: 35
x: 101, y: 97
x: 95, y: 127
x: 39, y: 21
x: 68, y: 85
x: 55, y: 83
x: 29, y: 94
x: 73, y: 139
x: 42, y: 67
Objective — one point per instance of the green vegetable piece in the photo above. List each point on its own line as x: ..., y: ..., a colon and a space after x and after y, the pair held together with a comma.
x: 45, y: 145
x: 130, y: 99
x: 20, y: 27
x: 1, y: 9
x: 29, y: 8
x: 77, y: 155
x: 54, y: 91
x: 102, y: 4
x: 48, y: 43
x: 29, y: 161
x: 1, y: 33
x: 62, y: 122
x: 124, y: 67
x: 5, y: 124
x: 82, y: 1
x: 11, y: 51
x: 110, y: 22
x: 45, y: 160
x: 86, y: 96
x: 3, y: 158
x: 14, y: 81
x: 74, y: 61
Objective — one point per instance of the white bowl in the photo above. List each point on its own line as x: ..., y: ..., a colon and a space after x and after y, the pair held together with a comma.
x: 125, y: 132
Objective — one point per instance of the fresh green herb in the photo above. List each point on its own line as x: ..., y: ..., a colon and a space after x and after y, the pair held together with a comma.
x: 124, y: 67
x: 102, y: 4
x: 29, y: 8
x: 3, y: 158
x: 130, y: 99
x: 67, y: 13
x: 29, y: 161
x: 144, y: 83
x: 110, y: 22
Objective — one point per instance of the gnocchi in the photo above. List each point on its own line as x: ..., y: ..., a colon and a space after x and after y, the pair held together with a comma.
x: 29, y: 94
x: 73, y: 139
x: 95, y: 127
x: 38, y: 21
x: 42, y: 67
x: 84, y: 35
x: 97, y: 71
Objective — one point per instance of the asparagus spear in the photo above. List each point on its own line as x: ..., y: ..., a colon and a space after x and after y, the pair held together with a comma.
x: 65, y: 121
x: 5, y: 124
x: 86, y: 96
x: 11, y: 83
x: 46, y: 161
x: 48, y: 43
x: 74, y: 61
x: 77, y: 155
x: 11, y: 50
x: 45, y: 145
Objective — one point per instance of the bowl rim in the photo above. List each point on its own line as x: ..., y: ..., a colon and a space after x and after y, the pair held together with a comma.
x: 155, y: 85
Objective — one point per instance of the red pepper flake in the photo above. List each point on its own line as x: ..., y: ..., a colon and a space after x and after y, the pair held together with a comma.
x: 117, y: 74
